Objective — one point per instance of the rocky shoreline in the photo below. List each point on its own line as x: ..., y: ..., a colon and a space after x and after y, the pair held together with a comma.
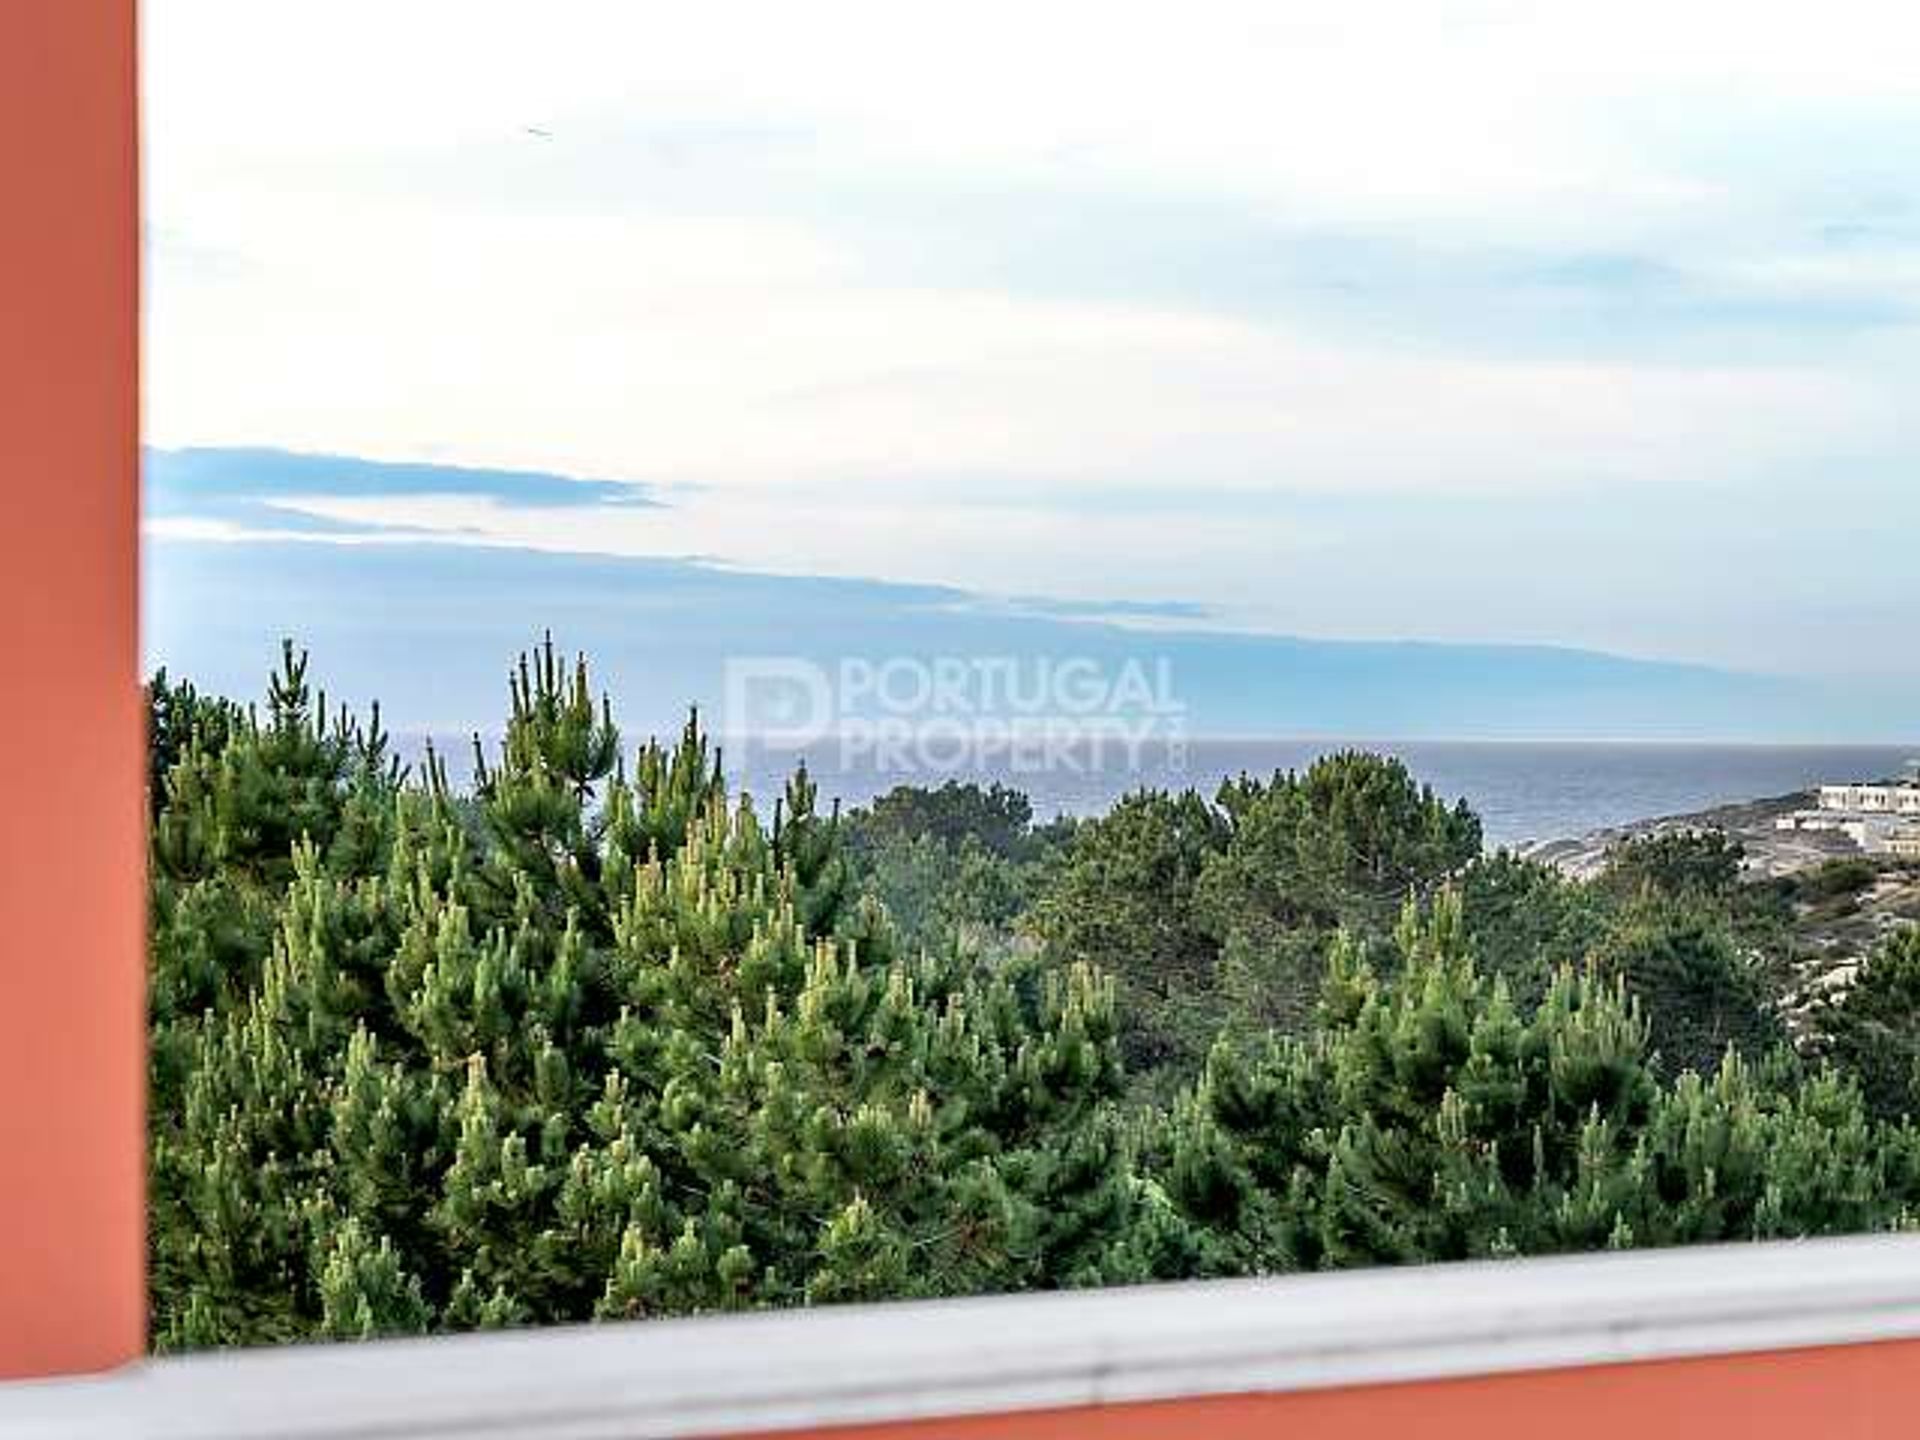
x: 1834, y: 928
x: 1770, y: 852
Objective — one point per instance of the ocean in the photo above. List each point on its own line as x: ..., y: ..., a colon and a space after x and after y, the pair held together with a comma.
x: 1523, y: 791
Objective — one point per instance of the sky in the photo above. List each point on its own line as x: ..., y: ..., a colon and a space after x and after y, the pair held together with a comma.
x: 1558, y: 325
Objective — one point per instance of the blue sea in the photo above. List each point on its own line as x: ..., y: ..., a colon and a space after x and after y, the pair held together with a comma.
x: 1522, y: 790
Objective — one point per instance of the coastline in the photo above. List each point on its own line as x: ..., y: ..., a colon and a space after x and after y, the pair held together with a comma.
x: 1834, y: 928
x: 1771, y: 853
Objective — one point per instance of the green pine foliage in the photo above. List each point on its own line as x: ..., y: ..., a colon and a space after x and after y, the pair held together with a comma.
x: 1871, y: 1028
x: 997, y: 819
x: 593, y: 1041
x: 1221, y: 913
x: 1702, y: 994
x: 1123, y: 896
x: 590, y: 1038
x: 1427, y: 1117
x: 1677, y: 863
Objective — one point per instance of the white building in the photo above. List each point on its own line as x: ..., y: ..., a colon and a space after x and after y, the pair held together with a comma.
x: 1881, y: 818
x: 1902, y: 799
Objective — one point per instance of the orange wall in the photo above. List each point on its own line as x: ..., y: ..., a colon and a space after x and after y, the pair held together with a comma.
x: 72, y: 908
x: 1856, y: 1392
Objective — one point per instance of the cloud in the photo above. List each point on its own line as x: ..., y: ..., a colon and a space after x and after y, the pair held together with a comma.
x: 1456, y: 319
x: 661, y: 632
x: 1113, y: 611
x: 283, y: 492
x: 1761, y: 571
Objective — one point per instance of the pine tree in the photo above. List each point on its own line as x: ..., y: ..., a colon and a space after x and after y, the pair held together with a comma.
x: 589, y: 1042
x: 1871, y: 1027
x: 1427, y: 1117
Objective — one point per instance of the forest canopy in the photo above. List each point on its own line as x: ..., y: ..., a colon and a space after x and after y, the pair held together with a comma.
x: 597, y: 1036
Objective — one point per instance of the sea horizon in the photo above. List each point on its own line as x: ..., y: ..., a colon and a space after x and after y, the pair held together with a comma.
x: 1524, y: 791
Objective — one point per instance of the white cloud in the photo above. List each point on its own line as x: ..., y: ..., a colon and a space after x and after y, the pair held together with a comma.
x: 360, y: 247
